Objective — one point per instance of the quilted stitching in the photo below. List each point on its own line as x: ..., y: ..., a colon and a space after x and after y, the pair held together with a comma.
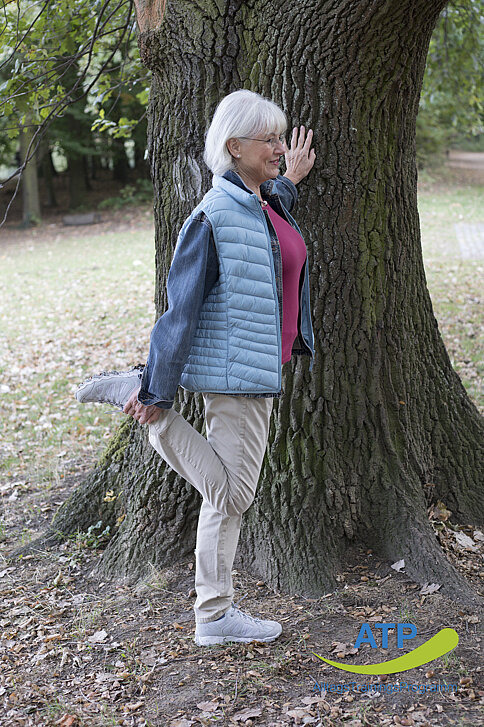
x: 239, y: 322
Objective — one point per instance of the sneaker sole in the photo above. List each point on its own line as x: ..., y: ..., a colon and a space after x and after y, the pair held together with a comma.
x: 213, y: 640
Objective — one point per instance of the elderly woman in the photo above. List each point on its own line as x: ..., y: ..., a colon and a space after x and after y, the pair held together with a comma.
x: 238, y: 308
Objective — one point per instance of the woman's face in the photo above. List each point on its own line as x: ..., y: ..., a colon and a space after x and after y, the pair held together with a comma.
x: 258, y: 158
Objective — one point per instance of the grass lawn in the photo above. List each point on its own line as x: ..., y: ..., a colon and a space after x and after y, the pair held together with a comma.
x: 455, y: 285
x: 72, y: 306
x: 76, y: 652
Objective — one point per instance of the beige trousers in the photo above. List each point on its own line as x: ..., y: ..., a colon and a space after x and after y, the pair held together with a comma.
x: 224, y: 467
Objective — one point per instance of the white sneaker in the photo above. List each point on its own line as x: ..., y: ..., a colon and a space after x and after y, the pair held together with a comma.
x: 235, y: 625
x: 110, y: 387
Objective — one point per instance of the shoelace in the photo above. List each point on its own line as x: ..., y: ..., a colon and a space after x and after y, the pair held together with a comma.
x: 246, y: 616
x: 139, y: 367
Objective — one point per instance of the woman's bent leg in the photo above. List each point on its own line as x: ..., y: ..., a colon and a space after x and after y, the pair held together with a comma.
x: 225, y: 469
x: 225, y: 466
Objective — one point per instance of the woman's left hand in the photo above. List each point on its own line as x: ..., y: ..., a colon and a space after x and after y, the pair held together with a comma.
x: 300, y: 157
x: 144, y: 414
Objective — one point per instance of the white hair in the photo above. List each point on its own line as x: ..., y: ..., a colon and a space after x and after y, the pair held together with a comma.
x: 241, y: 113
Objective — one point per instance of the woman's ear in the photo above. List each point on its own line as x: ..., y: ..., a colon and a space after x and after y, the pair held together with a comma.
x: 233, y: 146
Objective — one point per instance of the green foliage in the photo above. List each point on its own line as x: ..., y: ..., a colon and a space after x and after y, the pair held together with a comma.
x: 121, y: 128
x: 432, y: 138
x: 451, y: 105
x: 140, y: 192
x: 55, y: 53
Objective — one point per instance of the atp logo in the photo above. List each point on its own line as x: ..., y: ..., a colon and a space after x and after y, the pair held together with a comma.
x: 445, y: 640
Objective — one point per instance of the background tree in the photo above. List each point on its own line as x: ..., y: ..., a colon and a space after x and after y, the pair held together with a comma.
x: 48, y: 171
x: 451, y: 112
x: 31, y: 213
x: 68, y: 65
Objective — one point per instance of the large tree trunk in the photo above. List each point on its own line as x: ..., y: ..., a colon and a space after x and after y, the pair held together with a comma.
x: 120, y: 161
x: 139, y: 137
x: 382, y: 424
x: 76, y: 159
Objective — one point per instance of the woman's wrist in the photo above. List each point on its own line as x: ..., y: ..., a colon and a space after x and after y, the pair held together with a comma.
x: 291, y: 178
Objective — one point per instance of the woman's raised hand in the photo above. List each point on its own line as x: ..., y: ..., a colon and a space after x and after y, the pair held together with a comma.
x: 300, y: 157
x: 144, y: 414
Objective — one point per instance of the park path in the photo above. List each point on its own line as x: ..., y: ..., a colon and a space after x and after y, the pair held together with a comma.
x: 465, y: 159
x: 470, y: 236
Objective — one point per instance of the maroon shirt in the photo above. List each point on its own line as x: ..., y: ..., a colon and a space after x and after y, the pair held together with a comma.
x: 293, y: 253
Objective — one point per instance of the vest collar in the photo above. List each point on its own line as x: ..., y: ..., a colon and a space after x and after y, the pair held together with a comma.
x: 232, y: 183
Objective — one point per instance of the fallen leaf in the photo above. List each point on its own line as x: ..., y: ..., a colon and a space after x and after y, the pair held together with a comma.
x: 3, y: 573
x: 439, y: 512
x: 208, y: 706
x: 399, y: 565
x: 98, y: 637
x: 301, y: 715
x: 465, y: 541
x: 246, y: 714
x: 342, y: 649
x: 53, y: 637
x: 67, y: 720
x: 429, y: 588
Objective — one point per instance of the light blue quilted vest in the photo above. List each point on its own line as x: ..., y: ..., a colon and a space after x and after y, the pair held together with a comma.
x: 237, y: 345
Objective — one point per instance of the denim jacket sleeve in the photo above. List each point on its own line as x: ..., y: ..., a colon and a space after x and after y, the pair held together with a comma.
x: 193, y: 273
x: 286, y: 190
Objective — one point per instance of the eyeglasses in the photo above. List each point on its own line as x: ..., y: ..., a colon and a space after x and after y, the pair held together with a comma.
x: 273, y: 141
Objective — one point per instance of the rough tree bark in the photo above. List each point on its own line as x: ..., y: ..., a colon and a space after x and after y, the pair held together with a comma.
x: 383, y: 424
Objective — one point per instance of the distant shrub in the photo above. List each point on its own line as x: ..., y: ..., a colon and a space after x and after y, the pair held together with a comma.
x: 432, y: 140
x: 139, y: 192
